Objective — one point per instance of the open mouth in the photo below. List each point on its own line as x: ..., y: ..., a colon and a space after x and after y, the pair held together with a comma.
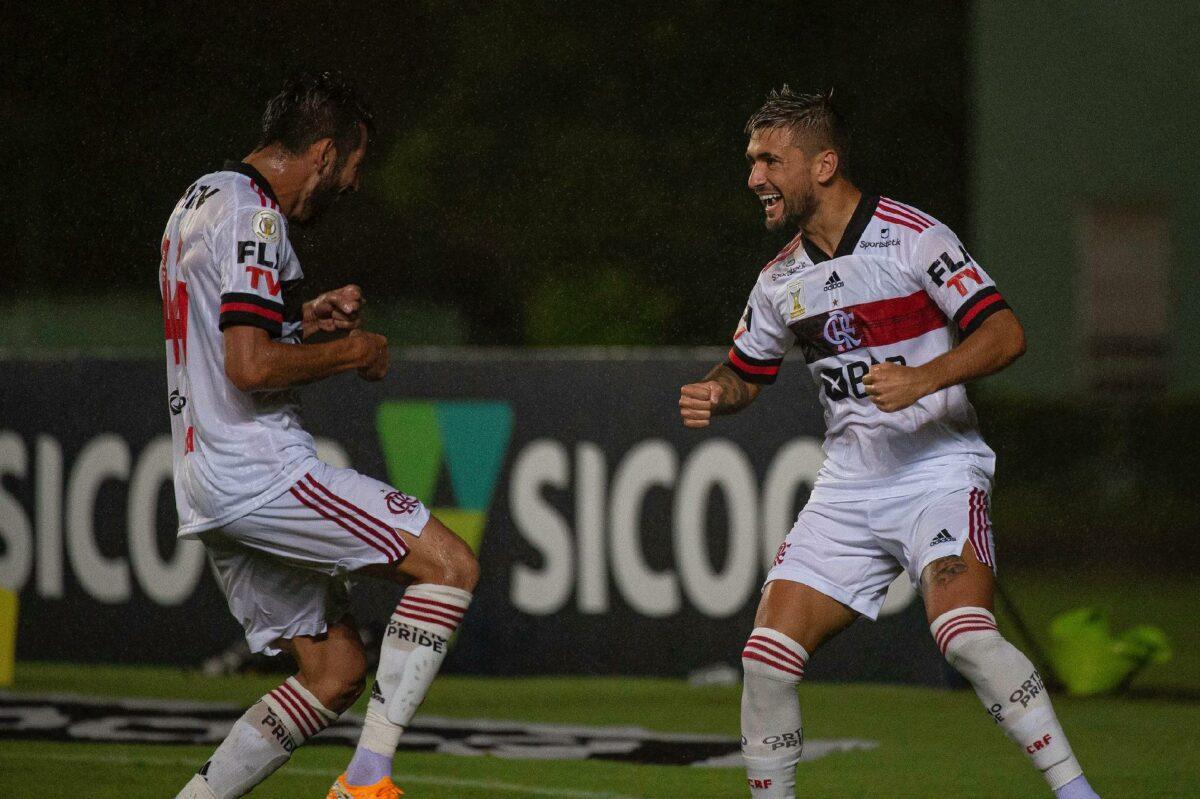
x: 770, y: 201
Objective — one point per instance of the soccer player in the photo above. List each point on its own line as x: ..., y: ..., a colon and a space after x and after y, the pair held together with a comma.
x: 282, y: 529
x: 892, y: 316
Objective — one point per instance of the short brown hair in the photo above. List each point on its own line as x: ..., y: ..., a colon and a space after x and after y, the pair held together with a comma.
x: 810, y: 115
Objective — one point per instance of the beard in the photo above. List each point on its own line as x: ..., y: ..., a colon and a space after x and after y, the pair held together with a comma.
x: 796, y: 210
x: 324, y: 194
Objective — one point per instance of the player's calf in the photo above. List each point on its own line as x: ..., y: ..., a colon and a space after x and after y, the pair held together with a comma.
x: 414, y: 645
x: 260, y: 742
x: 772, y: 738
x: 1013, y: 693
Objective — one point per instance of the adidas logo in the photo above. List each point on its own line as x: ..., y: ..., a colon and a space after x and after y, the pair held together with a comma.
x: 943, y: 537
x: 834, y: 282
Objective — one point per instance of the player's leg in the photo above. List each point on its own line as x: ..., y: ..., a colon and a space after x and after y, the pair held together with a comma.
x: 958, y: 591
x: 828, y: 572
x: 793, y: 619
x: 441, y: 572
x: 265, y: 594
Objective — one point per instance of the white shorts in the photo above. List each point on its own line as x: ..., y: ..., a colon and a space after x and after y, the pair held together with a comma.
x: 853, y: 550
x: 283, y: 567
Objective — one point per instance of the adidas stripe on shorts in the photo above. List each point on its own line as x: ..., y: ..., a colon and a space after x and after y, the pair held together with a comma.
x: 853, y: 550
x: 283, y: 567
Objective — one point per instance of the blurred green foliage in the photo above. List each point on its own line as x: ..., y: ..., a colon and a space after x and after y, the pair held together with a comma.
x: 528, y: 152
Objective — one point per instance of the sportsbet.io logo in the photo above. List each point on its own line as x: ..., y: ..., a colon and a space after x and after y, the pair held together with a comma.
x: 446, y: 451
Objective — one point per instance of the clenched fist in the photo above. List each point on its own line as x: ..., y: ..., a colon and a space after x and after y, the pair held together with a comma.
x: 893, y: 387
x: 373, y: 349
x: 697, y: 401
x: 337, y: 310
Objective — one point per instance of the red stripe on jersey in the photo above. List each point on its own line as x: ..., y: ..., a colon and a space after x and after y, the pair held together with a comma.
x: 971, y: 314
x: 905, y: 210
x: 785, y: 252
x: 312, y: 503
x: 263, y: 199
x: 899, y: 319
x: 750, y: 368
x: 896, y: 220
x: 380, y: 528
x: 245, y: 307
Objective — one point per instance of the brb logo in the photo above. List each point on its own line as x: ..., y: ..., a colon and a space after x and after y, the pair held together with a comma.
x: 839, y: 331
x: 468, y: 438
x: 846, y: 382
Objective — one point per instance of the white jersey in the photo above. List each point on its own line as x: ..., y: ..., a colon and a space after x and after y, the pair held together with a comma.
x: 900, y: 288
x: 226, y: 261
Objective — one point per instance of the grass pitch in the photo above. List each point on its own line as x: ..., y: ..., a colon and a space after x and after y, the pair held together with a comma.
x: 931, y: 743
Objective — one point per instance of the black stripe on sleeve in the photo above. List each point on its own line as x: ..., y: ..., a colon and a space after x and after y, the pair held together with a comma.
x: 252, y: 299
x: 977, y: 309
x: 763, y: 371
x: 243, y: 318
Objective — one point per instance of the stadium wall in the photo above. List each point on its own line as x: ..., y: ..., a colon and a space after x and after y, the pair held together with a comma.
x: 1088, y: 108
x: 613, y: 540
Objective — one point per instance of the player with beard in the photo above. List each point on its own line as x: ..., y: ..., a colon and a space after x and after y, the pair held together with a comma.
x: 282, y: 529
x: 892, y: 316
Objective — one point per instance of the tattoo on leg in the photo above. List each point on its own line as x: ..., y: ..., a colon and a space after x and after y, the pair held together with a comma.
x: 944, y: 571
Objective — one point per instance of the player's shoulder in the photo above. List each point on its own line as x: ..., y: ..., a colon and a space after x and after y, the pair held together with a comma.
x: 903, y: 231
x: 904, y: 219
x: 788, y: 261
x: 236, y: 192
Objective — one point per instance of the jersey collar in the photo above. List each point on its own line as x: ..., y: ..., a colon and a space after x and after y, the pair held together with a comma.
x: 243, y: 168
x: 854, y: 230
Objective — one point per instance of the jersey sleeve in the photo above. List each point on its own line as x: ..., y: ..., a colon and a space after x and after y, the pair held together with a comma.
x: 249, y: 249
x: 959, y: 286
x: 760, y: 341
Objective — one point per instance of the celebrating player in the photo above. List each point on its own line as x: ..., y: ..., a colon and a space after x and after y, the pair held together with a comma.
x: 282, y: 529
x: 892, y: 316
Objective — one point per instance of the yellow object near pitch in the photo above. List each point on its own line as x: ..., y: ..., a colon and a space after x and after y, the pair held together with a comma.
x: 8, y: 636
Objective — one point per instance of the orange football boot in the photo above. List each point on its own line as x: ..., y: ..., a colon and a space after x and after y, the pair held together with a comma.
x: 384, y: 789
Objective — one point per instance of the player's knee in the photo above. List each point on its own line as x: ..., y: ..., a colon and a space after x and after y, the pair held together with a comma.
x: 454, y: 565
x: 339, y: 685
x: 771, y: 655
x: 968, y: 638
x: 339, y: 691
x: 461, y: 568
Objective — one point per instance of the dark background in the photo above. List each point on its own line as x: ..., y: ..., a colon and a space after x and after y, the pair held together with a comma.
x: 573, y: 173
x: 545, y: 173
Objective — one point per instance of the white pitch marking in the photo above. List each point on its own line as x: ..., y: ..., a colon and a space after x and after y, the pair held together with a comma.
x: 301, y: 771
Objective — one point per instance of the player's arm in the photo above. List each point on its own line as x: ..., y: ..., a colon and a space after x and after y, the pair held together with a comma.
x: 721, y: 392
x: 254, y: 362
x: 989, y: 335
x: 997, y: 342
x: 759, y: 343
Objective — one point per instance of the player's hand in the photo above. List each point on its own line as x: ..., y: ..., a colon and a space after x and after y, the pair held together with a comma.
x: 697, y: 401
x: 338, y: 310
x: 893, y: 387
x: 374, y: 354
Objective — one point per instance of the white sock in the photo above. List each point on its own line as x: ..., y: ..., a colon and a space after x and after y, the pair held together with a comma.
x: 1009, y: 687
x: 412, y: 652
x: 261, y: 741
x: 772, y: 739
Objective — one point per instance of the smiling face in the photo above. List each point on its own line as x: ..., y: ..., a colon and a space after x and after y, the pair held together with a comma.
x: 781, y: 175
